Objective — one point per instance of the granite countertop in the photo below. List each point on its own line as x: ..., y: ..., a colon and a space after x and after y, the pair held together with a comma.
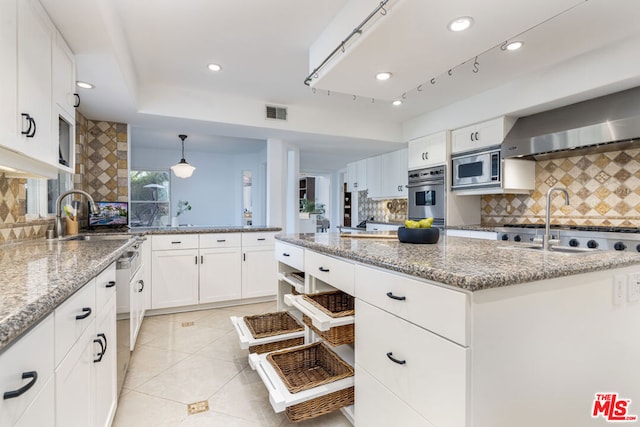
x: 36, y: 276
x: 204, y: 229
x: 470, y: 264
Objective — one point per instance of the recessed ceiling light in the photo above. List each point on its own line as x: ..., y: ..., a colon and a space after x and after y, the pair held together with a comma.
x: 385, y: 75
x: 214, y: 67
x: 397, y: 102
x: 460, y: 24
x: 514, y: 45
x: 84, y: 85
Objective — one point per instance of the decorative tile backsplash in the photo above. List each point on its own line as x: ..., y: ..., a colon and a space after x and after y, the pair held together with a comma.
x: 604, y: 190
x: 390, y: 210
x: 13, y: 201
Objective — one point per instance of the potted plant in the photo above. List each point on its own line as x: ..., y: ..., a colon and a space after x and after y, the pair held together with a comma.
x: 183, y: 206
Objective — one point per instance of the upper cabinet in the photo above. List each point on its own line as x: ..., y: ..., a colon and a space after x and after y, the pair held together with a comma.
x: 357, y: 176
x: 37, y: 72
x: 428, y: 151
x: 481, y: 135
x: 394, y: 174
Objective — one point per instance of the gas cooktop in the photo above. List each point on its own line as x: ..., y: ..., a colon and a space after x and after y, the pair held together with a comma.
x: 591, y: 228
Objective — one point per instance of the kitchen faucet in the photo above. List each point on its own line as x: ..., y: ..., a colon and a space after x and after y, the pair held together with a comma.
x: 547, y: 239
x: 94, y: 208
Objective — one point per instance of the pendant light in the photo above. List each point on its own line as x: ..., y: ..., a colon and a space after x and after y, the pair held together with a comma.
x: 182, y: 169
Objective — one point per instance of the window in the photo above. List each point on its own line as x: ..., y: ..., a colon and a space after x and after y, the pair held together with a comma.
x: 149, y: 198
x: 42, y: 195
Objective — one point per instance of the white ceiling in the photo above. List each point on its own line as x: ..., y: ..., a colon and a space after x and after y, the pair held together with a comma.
x: 148, y: 61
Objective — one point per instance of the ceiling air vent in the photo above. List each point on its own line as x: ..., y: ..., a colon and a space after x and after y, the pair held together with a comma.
x: 276, y: 113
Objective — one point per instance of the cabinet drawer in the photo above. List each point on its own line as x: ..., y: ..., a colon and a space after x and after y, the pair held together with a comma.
x: 429, y: 373
x: 258, y: 239
x: 72, y: 318
x: 335, y: 272
x: 290, y: 255
x: 105, y: 286
x: 220, y: 240
x: 440, y: 310
x: 174, y: 241
x: 378, y: 406
x: 32, y: 352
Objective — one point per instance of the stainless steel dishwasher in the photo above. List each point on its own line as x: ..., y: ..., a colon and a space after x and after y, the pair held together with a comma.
x: 127, y: 267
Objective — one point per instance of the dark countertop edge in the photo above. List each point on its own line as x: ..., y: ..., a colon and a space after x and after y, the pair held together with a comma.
x: 31, y: 314
x: 459, y: 281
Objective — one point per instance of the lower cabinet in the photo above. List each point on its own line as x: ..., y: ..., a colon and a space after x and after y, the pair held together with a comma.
x: 220, y: 274
x: 175, y: 278
x: 105, y: 368
x: 40, y: 412
x: 258, y: 272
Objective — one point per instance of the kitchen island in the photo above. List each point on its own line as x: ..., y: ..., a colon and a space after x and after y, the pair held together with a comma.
x: 479, y: 333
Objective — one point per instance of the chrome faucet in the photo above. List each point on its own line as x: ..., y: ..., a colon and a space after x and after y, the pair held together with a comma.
x: 547, y: 240
x: 59, y: 228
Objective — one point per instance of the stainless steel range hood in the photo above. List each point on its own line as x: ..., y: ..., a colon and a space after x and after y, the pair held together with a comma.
x: 590, y: 125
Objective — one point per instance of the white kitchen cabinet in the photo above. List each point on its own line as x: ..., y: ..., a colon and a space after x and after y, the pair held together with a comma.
x: 259, y: 271
x: 474, y: 234
x: 394, y: 174
x: 75, y: 382
x: 374, y: 177
x: 35, y: 35
x: 481, y: 135
x: 428, y: 151
x: 105, y: 367
x: 64, y: 77
x: 9, y: 74
x: 357, y: 176
x: 175, y: 277
x: 220, y: 272
x: 32, y: 353
x: 72, y: 319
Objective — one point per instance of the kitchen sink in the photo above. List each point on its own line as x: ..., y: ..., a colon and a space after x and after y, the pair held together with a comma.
x: 97, y: 237
x: 563, y: 250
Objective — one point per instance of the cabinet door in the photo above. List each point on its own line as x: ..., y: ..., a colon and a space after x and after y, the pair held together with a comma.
x: 394, y: 174
x: 259, y: 272
x: 175, y: 278
x: 63, y: 77
x: 361, y: 174
x: 427, y: 151
x: 34, y: 81
x: 374, y: 177
x: 74, y: 383
x: 220, y: 274
x: 352, y: 177
x: 8, y: 74
x: 104, y: 369
x: 41, y: 412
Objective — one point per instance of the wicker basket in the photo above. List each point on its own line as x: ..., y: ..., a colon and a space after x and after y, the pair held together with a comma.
x: 270, y: 324
x: 335, y: 336
x: 320, y: 405
x: 309, y: 366
x: 277, y: 345
x: 299, y: 275
x: 334, y: 303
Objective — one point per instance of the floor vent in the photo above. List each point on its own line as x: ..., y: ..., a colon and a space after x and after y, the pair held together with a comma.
x: 187, y: 324
x: 276, y: 113
x: 196, y: 408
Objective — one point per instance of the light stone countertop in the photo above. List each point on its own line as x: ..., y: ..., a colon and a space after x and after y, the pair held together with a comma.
x: 36, y: 276
x: 470, y: 264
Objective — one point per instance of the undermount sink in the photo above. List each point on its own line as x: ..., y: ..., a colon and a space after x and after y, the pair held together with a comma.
x: 563, y: 250
x: 97, y: 237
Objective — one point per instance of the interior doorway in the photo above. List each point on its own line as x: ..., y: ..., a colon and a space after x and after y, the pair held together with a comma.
x: 247, y: 203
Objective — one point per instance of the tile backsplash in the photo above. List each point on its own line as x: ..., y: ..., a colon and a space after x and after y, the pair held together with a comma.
x: 13, y: 202
x: 388, y: 210
x: 604, y: 190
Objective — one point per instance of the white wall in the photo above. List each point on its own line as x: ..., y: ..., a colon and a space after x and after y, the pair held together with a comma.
x: 215, y: 189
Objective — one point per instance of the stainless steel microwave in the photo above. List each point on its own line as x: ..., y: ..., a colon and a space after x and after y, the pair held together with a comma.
x: 476, y: 170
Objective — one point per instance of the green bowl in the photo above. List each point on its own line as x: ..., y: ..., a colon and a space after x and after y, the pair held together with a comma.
x: 418, y: 235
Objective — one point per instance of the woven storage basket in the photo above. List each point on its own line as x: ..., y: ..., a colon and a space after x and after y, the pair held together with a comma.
x: 334, y: 303
x: 270, y: 324
x: 309, y: 366
x: 298, y: 275
x: 320, y: 405
x: 335, y: 336
x: 277, y: 345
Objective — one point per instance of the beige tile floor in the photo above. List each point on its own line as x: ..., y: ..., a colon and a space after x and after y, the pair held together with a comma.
x: 174, y: 365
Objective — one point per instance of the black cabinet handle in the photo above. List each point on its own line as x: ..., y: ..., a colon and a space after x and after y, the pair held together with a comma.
x: 25, y: 375
x: 103, y: 336
x: 221, y: 240
x: 111, y: 284
x: 472, y: 136
x: 477, y: 137
x: 261, y: 238
x: 176, y: 243
x: 201, y: 259
x: 29, y: 121
x: 285, y: 254
x: 77, y: 104
x: 244, y: 256
x: 393, y: 359
x: 392, y: 296
x: 196, y: 259
x: 33, y: 131
x: 141, y: 283
x: 324, y: 270
x: 87, y: 313
x: 101, y: 353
